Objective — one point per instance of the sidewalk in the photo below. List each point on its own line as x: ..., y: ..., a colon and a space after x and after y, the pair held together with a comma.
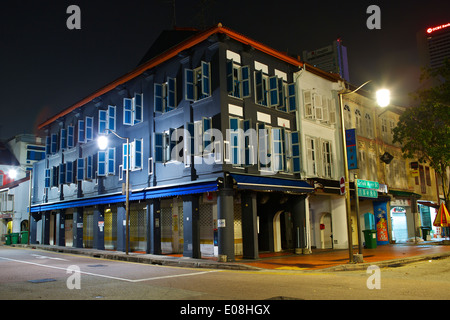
x: 391, y: 255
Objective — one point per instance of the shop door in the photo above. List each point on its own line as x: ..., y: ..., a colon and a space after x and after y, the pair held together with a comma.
x: 399, y: 226
x: 326, y: 231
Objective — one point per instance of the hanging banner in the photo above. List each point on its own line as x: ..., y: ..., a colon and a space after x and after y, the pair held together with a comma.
x: 380, y: 212
x: 352, y: 153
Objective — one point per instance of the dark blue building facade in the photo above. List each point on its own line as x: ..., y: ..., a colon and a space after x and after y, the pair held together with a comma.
x: 214, y: 156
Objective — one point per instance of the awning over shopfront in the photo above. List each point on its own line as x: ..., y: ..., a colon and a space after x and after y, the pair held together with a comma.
x: 404, y: 194
x: 145, y: 194
x: 271, y: 184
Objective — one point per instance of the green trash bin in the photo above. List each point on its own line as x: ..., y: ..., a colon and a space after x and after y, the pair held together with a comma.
x: 370, y: 238
x: 14, y: 238
x: 8, y: 239
x: 24, y: 237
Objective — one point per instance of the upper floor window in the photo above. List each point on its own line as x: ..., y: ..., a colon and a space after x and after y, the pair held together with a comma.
x: 319, y: 107
x: 197, y: 82
x: 133, y: 109
x: 165, y: 95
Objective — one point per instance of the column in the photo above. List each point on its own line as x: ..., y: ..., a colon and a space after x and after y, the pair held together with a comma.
x: 225, y: 224
x: 78, y: 227
x: 60, y: 227
x: 46, y: 227
x: 299, y: 219
x: 154, y: 226
x: 121, y: 228
x: 99, y: 228
x: 35, y: 217
x: 249, y: 225
x: 191, y: 228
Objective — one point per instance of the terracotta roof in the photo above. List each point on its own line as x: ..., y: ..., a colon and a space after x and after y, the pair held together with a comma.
x: 172, y: 52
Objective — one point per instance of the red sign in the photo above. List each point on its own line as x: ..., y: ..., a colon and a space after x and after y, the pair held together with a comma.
x: 342, y: 185
x: 430, y: 30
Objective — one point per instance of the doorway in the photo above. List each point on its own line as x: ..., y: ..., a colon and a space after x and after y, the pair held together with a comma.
x: 399, y: 224
x: 326, y: 231
x: 283, y: 234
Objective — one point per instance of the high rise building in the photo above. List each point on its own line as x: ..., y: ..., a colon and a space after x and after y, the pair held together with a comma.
x: 332, y: 58
x: 434, y: 45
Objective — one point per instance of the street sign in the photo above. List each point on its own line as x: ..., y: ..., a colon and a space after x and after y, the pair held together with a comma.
x: 368, y: 184
x: 367, y: 193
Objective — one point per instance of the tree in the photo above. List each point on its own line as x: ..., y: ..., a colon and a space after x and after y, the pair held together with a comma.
x: 424, y: 130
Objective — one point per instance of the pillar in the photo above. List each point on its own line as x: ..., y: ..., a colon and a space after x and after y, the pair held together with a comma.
x: 249, y: 225
x: 99, y: 228
x: 78, y: 227
x: 225, y: 224
x: 121, y: 228
x: 154, y: 226
x: 191, y: 227
x: 60, y: 228
x: 46, y: 227
x: 35, y: 217
x: 299, y: 219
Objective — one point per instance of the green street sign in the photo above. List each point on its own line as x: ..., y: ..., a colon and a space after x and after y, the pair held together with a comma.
x: 367, y: 193
x: 367, y: 184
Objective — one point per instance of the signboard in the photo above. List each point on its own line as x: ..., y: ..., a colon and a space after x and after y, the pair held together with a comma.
x: 342, y: 185
x: 367, y: 193
x: 352, y: 154
x: 367, y: 184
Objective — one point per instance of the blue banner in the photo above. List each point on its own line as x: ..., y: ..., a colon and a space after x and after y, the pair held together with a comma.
x: 352, y: 153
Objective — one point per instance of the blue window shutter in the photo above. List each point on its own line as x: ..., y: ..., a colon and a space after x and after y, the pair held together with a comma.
x: 137, y: 156
x: 62, y: 173
x: 189, y: 85
x: 171, y: 93
x: 101, y: 163
x: 47, y: 178
x: 296, y: 160
x: 54, y: 144
x: 245, y: 81
x: 248, y: 152
x: 127, y: 111
x: 159, y: 98
x: 89, y: 128
x: 230, y: 77
x: 81, y: 131
x: 273, y: 91
x: 111, y: 161
x: 263, y: 146
x: 138, y: 108
x: 259, y: 86
x: 70, y: 137
x: 111, y: 122
x: 234, y: 141
x: 102, y: 120
x: 159, y: 147
x: 277, y: 149
x: 69, y: 172
x: 89, y: 167
x: 206, y: 78
x: 281, y: 95
x: 124, y: 157
x: 191, y: 139
x: 207, y: 124
x: 291, y: 98
x: 80, y: 169
x: 63, y: 139
x: 48, y: 145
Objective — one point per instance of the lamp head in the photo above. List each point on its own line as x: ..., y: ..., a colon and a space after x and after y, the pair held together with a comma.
x: 102, y: 142
x: 383, y: 97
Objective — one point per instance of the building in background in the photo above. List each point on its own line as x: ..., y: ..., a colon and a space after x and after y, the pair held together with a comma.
x: 434, y: 45
x: 332, y: 58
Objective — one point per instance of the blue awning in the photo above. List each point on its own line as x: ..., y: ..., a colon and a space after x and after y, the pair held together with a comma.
x: 148, y: 193
x: 271, y: 184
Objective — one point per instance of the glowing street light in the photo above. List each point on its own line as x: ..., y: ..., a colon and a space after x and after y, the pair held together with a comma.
x: 383, y: 97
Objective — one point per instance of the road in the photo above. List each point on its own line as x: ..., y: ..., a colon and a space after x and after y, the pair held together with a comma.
x: 42, y: 275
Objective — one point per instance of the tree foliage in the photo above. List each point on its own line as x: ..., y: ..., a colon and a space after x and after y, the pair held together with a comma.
x: 424, y: 130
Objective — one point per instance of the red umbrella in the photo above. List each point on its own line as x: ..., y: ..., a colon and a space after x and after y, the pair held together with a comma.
x: 442, y: 218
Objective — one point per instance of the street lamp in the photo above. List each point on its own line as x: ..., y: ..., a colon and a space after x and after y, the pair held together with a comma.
x: 102, y: 142
x: 13, y: 174
x: 383, y: 100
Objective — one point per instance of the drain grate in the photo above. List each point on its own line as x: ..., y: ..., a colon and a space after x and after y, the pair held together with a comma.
x: 42, y: 280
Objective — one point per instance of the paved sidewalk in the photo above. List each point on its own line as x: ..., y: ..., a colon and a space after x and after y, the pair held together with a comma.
x: 318, y: 260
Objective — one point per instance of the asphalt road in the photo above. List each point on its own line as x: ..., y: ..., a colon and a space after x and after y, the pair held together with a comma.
x: 28, y: 274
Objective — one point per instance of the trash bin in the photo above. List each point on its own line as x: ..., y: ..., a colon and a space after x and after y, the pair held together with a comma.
x: 425, y: 232
x: 24, y: 237
x: 14, y: 238
x: 370, y: 238
x: 8, y: 239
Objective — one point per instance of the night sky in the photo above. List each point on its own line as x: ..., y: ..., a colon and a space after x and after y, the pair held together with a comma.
x: 45, y: 67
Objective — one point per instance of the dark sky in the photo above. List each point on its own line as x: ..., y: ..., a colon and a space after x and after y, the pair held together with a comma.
x: 45, y: 67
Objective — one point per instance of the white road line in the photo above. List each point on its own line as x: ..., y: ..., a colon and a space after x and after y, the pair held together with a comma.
x: 111, y: 277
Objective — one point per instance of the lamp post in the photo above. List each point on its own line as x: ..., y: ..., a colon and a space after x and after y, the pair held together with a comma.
x: 103, y: 144
x: 383, y: 100
x: 13, y: 174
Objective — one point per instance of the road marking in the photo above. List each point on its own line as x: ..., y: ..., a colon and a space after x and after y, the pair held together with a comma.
x: 38, y: 256
x: 111, y: 277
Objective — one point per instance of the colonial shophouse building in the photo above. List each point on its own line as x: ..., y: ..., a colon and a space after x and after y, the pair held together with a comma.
x: 215, y: 160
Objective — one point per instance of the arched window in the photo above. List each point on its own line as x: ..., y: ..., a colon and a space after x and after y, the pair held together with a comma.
x: 358, y: 124
x: 347, y: 117
x: 369, y: 126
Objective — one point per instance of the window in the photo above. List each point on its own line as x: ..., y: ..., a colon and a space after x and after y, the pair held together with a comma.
x: 136, y: 154
x: 70, y: 136
x: 35, y: 153
x: 89, y: 168
x: 69, y: 172
x: 159, y: 147
x: 197, y: 82
x: 317, y: 106
x: 54, y: 143
x: 165, y: 98
x: 102, y: 121
x: 48, y: 145
x: 358, y: 122
x: 138, y: 108
x: 235, y: 141
x: 47, y: 178
x: 107, y: 119
x: 80, y: 169
x: 101, y: 164
x: 347, y: 117
x: 369, y: 126
x: 311, y: 156
x: 81, y: 130
x: 89, y: 128
x: 327, y: 159
x: 125, y: 154
x: 63, y: 139
x: 295, y: 147
x: 261, y: 87
x: 111, y: 164
x: 238, y: 80
x: 127, y: 111
x: 278, y: 149
x: 264, y: 146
